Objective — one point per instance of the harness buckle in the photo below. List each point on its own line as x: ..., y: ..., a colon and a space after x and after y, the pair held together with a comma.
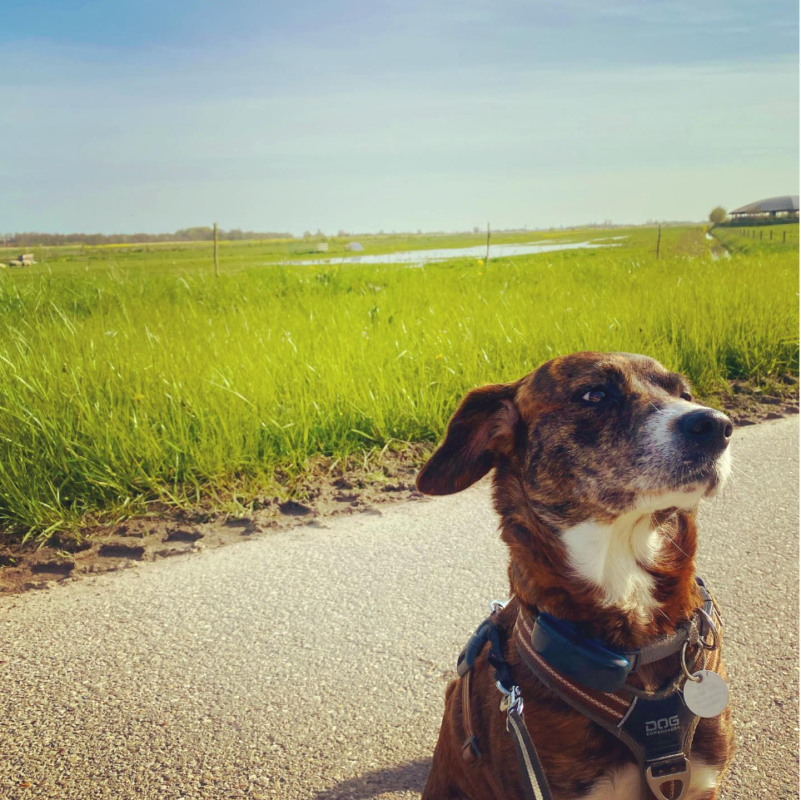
x: 667, y: 770
x: 471, y: 752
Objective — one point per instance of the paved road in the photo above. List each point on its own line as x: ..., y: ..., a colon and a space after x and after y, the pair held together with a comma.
x: 311, y: 664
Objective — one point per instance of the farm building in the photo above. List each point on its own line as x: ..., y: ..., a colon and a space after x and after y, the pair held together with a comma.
x: 774, y: 208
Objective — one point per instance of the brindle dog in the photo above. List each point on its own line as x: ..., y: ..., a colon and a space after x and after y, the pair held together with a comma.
x: 601, y: 460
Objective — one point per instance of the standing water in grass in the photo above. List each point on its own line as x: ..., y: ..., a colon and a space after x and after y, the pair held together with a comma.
x: 417, y: 257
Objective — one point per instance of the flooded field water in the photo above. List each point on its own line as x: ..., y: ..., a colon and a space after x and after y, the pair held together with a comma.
x: 418, y: 257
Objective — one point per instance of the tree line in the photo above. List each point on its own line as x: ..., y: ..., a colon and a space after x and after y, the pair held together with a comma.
x: 197, y: 234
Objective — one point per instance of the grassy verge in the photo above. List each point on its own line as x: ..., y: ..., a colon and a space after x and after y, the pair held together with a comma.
x: 127, y: 385
x: 775, y: 238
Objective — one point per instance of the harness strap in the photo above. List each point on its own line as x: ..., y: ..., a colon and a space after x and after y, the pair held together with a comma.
x: 533, y: 780
x: 611, y: 708
x: 656, y: 726
x: 627, y: 714
x: 471, y: 752
x: 689, y: 632
x: 666, y: 646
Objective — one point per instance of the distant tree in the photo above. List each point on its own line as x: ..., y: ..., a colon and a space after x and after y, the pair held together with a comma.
x: 476, y: 229
x: 198, y: 234
x: 717, y: 215
x: 307, y: 234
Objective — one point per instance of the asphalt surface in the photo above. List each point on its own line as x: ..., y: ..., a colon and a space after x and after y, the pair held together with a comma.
x: 312, y: 663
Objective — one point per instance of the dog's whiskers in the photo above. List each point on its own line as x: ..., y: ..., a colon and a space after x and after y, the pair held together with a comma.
x: 744, y: 474
x: 673, y: 542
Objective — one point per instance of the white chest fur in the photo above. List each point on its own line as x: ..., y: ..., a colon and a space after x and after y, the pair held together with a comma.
x: 612, y: 557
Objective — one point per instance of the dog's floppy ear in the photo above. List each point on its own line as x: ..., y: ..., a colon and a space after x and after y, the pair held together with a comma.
x: 482, y: 428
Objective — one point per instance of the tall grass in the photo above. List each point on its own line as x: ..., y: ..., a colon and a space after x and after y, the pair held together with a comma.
x: 118, y: 386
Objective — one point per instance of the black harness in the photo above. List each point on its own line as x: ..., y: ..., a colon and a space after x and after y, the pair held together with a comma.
x: 657, y: 726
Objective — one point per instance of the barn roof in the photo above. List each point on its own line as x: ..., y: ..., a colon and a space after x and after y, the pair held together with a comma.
x: 784, y: 203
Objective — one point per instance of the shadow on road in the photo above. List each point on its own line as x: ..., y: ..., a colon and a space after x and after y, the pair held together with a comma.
x: 410, y: 777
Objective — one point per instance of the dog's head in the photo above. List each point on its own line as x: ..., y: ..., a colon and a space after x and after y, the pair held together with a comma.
x: 589, y: 435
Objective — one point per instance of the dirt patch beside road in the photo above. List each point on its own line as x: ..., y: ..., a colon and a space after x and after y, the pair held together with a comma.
x: 747, y: 406
x: 355, y: 488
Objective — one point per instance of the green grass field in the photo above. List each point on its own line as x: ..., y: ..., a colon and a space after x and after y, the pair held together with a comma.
x: 172, y: 256
x: 133, y: 374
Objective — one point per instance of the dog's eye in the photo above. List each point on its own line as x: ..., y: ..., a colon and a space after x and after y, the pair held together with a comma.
x: 594, y: 396
x: 686, y: 396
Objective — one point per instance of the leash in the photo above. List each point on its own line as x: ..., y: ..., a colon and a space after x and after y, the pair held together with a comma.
x: 535, y: 784
x: 657, y: 726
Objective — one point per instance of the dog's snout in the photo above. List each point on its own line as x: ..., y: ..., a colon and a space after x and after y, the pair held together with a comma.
x: 706, y: 428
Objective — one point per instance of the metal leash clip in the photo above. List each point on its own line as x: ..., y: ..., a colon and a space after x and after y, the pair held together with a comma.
x: 497, y: 605
x: 711, y: 629
x: 512, y: 700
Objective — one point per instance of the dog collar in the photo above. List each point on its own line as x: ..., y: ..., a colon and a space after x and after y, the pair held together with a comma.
x: 605, y: 669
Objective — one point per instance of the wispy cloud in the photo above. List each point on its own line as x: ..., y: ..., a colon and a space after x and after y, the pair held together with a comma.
x: 403, y: 116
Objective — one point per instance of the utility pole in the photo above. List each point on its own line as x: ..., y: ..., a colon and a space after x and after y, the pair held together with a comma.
x: 216, y: 260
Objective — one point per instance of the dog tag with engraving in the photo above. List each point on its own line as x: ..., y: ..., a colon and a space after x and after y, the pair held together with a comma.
x: 707, y: 697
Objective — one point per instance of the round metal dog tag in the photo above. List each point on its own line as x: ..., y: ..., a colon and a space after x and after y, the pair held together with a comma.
x: 708, y: 696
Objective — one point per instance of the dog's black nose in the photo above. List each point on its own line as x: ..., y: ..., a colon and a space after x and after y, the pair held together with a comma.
x: 706, y: 428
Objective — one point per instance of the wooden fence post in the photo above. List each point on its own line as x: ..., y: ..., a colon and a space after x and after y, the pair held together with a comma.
x: 771, y: 235
x: 658, y: 242
x: 784, y: 237
x: 216, y: 260
x: 760, y: 234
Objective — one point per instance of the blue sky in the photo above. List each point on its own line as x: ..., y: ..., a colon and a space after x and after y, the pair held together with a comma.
x: 122, y: 116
